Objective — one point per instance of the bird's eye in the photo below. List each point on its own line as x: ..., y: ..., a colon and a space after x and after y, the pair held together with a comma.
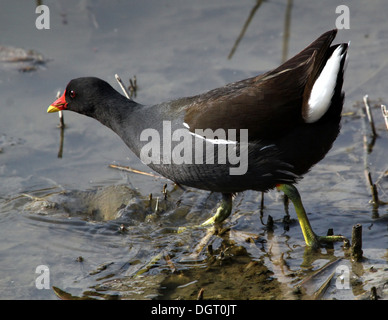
x: 72, y: 94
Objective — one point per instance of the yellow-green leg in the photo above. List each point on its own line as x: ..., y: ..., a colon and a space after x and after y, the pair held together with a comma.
x: 310, y: 237
x: 223, y: 211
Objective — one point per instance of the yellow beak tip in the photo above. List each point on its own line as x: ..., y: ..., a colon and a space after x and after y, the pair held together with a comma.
x: 52, y: 109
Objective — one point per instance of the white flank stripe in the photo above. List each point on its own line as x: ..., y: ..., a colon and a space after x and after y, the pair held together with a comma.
x: 323, y: 88
x: 213, y: 141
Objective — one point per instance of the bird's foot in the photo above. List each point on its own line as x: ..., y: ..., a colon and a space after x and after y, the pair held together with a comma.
x: 222, y: 213
x: 314, y: 241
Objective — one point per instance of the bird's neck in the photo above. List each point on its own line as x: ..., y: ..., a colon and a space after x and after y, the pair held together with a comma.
x: 113, y: 112
x: 124, y: 117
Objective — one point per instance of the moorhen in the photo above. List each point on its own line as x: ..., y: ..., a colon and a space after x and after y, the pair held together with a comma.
x: 260, y: 133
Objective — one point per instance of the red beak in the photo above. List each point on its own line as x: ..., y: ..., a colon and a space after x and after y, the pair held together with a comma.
x: 59, y: 104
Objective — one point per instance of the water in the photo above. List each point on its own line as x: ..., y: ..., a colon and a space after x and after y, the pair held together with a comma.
x: 51, y: 212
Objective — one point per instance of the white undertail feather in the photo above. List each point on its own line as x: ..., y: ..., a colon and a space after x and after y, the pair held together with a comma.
x: 324, y: 86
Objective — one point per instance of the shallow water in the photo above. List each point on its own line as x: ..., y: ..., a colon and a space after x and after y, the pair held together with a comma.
x: 96, y: 228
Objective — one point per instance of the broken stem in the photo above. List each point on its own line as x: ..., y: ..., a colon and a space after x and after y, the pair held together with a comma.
x: 373, y: 188
x: 245, y: 27
x: 60, y: 114
x: 356, y: 248
x: 61, y: 119
x: 61, y: 126
x: 368, y: 149
x: 133, y: 86
x: 129, y: 169
x: 385, y: 114
x: 122, y: 86
x: 200, y: 294
x: 370, y: 117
